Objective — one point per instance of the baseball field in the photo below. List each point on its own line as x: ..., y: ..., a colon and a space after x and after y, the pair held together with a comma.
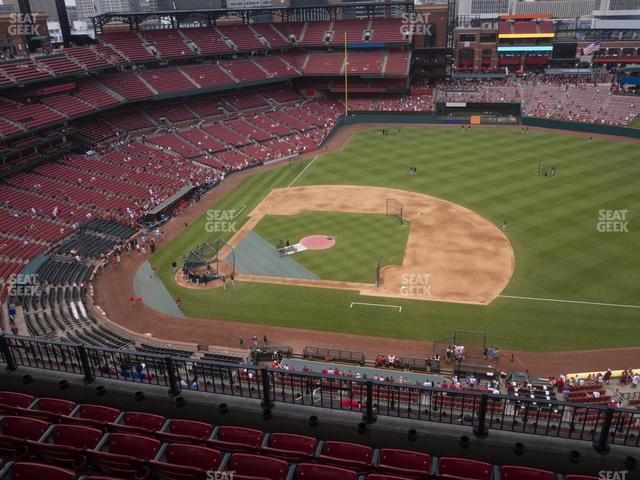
x: 570, y: 207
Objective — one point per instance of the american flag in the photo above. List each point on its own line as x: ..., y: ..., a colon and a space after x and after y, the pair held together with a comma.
x: 591, y: 49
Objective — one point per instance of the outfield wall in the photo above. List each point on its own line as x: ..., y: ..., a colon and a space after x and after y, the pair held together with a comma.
x: 430, y: 117
x: 581, y: 127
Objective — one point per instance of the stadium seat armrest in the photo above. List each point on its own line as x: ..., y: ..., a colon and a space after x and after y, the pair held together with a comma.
x: 161, y: 451
x: 224, y: 462
x: 120, y: 418
x: 214, y: 433
x: 319, y: 448
x: 291, y: 473
x: 165, y: 426
x: 375, y: 458
x: 75, y: 410
x: 435, y: 466
x: 265, y: 440
x: 46, y: 433
x: 496, y: 473
x: 4, y: 471
x: 102, y: 442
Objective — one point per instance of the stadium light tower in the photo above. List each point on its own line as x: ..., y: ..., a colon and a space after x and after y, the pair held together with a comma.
x: 63, y: 18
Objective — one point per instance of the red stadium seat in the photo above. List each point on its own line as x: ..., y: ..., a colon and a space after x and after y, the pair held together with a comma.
x: 15, y: 431
x: 312, y: 471
x: 293, y: 448
x: 236, y: 439
x: 382, y: 476
x: 456, y: 468
x: 404, y: 463
x: 10, y: 400
x: 185, y: 431
x: 92, y: 415
x: 39, y: 471
x: 255, y: 467
x: 186, y: 462
x: 64, y: 444
x: 126, y: 455
x: 48, y: 409
x: 580, y: 477
x: 345, y: 454
x: 138, y: 422
x: 523, y: 473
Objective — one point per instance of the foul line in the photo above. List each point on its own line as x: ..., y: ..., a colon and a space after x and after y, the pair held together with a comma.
x: 376, y: 305
x: 570, y: 301
x: 239, y: 211
x: 303, y: 170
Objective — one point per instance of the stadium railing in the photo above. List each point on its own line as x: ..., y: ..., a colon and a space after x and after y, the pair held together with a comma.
x: 481, y: 411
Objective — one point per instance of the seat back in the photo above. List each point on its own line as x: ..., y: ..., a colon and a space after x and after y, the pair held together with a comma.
x: 133, y: 445
x: 98, y: 413
x: 15, y: 399
x: 580, y: 477
x: 190, y: 428
x: 244, y: 464
x: 75, y: 436
x: 23, y: 427
x: 295, y: 443
x: 462, y: 467
x: 39, y: 471
x: 347, y: 451
x: 146, y: 421
x: 193, y: 456
x: 405, y: 459
x: 509, y: 472
x: 55, y: 406
x: 382, y: 476
x: 244, y: 436
x: 312, y: 471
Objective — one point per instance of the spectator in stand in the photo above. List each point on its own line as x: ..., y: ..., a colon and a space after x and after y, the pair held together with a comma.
x: 607, y: 376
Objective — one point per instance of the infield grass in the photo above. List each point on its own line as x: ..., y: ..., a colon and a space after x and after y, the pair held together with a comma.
x: 361, y: 239
x: 552, y: 225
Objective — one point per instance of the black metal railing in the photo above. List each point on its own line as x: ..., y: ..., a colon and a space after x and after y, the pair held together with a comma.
x: 478, y: 410
x: 334, y: 354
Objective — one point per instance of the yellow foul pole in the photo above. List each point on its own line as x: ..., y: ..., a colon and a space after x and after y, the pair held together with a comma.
x: 346, y: 70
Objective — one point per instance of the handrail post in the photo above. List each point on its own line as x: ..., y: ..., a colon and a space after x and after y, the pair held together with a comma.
x: 602, y: 444
x: 369, y: 416
x: 174, y: 386
x: 5, y: 349
x: 86, y: 366
x: 267, y: 401
x: 481, y: 430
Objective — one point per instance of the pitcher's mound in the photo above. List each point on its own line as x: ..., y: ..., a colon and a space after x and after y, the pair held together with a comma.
x: 317, y: 242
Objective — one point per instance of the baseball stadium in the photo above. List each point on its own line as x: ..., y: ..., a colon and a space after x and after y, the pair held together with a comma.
x: 319, y: 240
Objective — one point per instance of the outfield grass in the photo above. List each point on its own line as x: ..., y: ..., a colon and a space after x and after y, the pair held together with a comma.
x: 560, y: 254
x: 361, y: 239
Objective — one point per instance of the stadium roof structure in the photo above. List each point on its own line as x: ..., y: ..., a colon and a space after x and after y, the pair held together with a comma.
x: 209, y: 16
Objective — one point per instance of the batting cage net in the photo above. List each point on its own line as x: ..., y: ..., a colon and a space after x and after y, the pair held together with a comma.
x: 474, y: 343
x: 394, y: 208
